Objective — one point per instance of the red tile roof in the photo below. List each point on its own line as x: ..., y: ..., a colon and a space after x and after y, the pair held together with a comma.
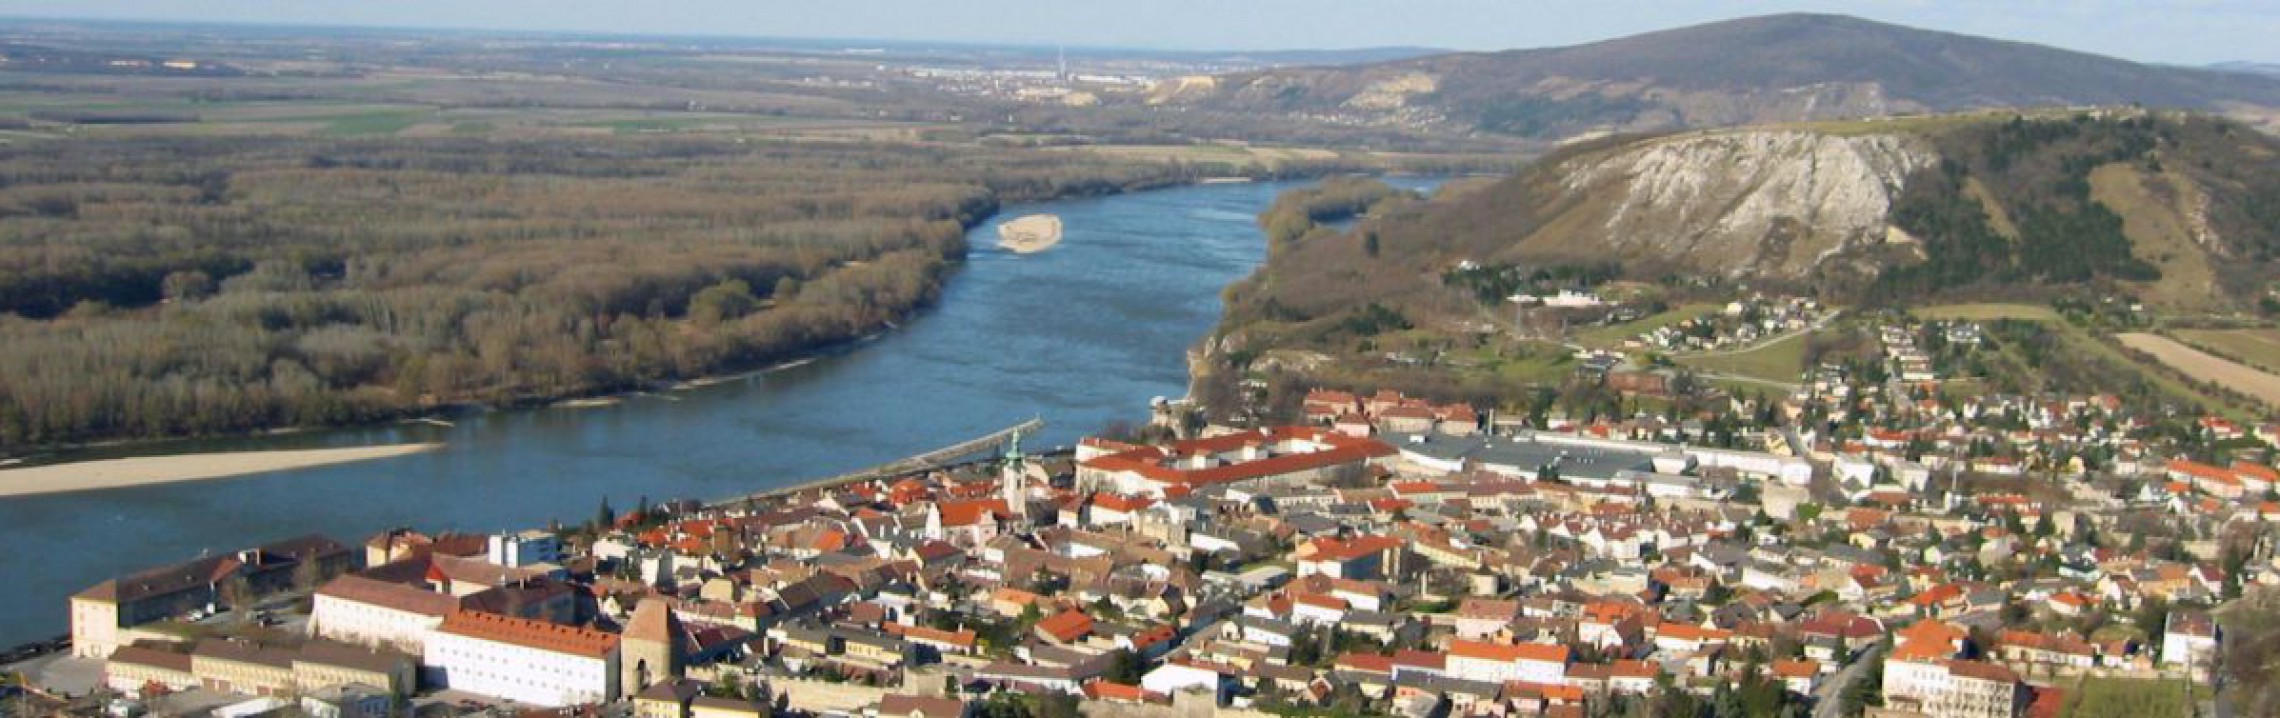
x: 1542, y: 652
x: 1067, y: 626
x: 970, y: 512
x: 1149, y: 461
x: 1334, y: 549
x: 530, y: 634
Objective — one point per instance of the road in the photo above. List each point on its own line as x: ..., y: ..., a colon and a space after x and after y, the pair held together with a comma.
x: 1825, y: 701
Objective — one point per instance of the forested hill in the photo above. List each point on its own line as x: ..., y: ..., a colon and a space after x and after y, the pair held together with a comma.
x: 1782, y: 68
x: 2182, y: 212
x: 171, y: 286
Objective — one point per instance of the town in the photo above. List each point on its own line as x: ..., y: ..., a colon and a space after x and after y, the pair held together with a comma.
x: 1854, y: 552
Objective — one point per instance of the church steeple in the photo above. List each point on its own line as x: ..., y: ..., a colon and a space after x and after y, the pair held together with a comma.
x: 1013, y: 479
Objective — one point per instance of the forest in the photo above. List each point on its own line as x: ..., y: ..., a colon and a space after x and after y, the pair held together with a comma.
x: 174, y: 287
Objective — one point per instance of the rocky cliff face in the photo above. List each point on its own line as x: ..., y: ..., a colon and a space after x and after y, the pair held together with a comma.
x: 1769, y: 203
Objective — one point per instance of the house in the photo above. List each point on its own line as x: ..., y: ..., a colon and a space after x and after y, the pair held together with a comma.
x: 1066, y: 627
x: 1173, y: 678
x: 1801, y: 677
x: 1480, y: 618
x: 2189, y: 639
x: 1362, y: 557
x: 667, y: 699
x: 900, y: 705
x: 1922, y: 674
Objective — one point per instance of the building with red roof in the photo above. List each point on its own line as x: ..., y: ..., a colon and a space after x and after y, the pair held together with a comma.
x: 1066, y: 627
x: 1500, y: 662
x: 524, y: 660
x: 1273, y: 455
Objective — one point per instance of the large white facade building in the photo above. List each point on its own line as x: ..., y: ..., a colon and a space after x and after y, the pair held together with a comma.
x: 523, y: 660
x: 354, y: 609
x: 1499, y: 663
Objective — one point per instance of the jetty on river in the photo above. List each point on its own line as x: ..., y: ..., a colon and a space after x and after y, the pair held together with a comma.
x: 936, y: 459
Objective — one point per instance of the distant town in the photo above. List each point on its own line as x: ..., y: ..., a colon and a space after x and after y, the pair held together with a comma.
x: 1381, y: 556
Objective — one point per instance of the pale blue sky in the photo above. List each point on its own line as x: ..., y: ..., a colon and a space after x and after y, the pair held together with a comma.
x: 2175, y: 31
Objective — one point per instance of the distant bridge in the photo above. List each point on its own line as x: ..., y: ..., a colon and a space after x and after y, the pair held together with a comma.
x: 928, y: 461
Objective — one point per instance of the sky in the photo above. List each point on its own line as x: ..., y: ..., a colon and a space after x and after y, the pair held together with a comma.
x: 2164, y: 31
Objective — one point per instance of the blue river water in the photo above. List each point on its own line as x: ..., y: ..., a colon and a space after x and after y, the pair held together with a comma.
x: 1081, y: 335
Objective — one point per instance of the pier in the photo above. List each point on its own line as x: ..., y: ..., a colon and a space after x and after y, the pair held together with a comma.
x: 936, y: 459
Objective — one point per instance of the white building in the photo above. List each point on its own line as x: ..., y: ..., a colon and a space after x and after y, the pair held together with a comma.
x: 529, y: 548
x: 1172, y: 678
x: 1499, y: 663
x: 1923, y: 676
x: 366, y: 612
x: 525, y: 661
x: 2190, y: 639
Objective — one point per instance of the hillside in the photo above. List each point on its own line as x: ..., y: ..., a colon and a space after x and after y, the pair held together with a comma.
x: 2179, y: 211
x: 1783, y: 68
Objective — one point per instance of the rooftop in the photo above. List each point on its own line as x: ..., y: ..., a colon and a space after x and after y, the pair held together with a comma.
x: 530, y: 634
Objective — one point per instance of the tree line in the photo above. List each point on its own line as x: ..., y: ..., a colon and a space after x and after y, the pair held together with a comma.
x: 201, y: 286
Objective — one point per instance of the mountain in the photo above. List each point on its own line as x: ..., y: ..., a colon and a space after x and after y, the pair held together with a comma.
x: 2179, y: 210
x: 2258, y: 68
x: 1781, y: 68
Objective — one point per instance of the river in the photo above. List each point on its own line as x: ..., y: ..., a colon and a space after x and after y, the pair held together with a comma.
x: 1081, y: 335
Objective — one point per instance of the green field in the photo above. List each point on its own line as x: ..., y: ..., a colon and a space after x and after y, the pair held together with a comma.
x: 1782, y: 361
x: 374, y: 123
x: 1612, y: 336
x: 2129, y: 698
x: 1986, y: 312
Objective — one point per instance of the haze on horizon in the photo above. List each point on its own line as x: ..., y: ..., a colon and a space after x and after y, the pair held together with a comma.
x: 2185, y: 32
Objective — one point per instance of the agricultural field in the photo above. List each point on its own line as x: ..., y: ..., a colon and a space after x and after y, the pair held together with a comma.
x: 2256, y: 347
x: 2207, y: 367
x: 1987, y: 312
x: 1780, y: 362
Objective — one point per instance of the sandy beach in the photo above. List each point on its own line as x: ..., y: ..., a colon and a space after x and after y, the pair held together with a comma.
x: 145, y: 470
x: 1034, y: 233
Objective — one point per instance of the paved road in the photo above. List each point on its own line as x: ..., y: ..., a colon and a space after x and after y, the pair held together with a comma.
x: 1825, y: 702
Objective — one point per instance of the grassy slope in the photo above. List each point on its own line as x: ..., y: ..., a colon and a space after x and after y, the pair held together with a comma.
x: 1781, y: 361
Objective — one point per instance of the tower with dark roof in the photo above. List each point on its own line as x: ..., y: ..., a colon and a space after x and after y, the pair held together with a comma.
x: 652, y: 649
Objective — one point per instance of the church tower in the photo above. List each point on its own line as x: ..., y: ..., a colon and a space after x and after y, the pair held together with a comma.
x: 652, y: 649
x: 1013, y: 480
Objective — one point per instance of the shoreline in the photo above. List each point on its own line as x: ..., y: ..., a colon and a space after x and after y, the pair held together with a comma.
x: 102, y: 474
x: 440, y: 415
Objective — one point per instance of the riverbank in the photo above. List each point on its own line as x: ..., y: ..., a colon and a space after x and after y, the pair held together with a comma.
x: 151, y: 470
